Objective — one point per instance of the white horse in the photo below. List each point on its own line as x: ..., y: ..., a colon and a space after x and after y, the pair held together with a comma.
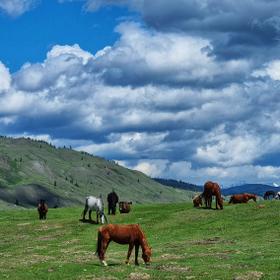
x: 277, y: 196
x: 96, y: 204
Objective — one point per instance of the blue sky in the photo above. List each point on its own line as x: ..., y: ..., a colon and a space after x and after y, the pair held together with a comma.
x: 183, y: 89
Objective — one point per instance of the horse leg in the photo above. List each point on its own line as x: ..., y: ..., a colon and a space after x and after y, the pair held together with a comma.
x: 89, y: 214
x: 85, y: 212
x: 130, y: 248
x: 136, y: 254
x: 97, y: 217
x: 104, y: 246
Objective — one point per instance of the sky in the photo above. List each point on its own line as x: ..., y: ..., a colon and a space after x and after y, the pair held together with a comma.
x: 182, y: 89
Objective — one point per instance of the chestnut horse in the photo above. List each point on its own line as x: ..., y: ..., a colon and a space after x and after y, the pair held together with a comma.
x: 42, y: 209
x: 123, y: 234
x: 210, y: 189
x: 242, y: 198
x: 197, y: 201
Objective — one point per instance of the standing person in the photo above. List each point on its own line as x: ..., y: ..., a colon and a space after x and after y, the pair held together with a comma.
x: 112, y: 199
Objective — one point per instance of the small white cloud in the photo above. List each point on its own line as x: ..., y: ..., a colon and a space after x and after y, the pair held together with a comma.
x: 16, y: 8
x: 5, y: 78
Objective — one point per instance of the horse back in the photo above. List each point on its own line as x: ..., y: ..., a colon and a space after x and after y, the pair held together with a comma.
x: 122, y: 234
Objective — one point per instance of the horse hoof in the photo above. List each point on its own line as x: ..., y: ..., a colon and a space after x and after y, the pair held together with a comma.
x: 104, y: 263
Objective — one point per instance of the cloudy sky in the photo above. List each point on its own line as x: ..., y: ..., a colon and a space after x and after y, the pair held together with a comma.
x: 182, y: 89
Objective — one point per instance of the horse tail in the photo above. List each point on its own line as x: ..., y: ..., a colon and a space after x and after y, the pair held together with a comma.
x: 86, y: 206
x: 98, y: 245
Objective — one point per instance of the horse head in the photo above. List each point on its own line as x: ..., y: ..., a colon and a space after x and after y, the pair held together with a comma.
x: 146, y: 255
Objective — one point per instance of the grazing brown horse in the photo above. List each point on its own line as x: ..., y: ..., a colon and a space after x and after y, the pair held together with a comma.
x: 242, y: 198
x: 210, y: 189
x: 42, y: 209
x: 125, y: 206
x: 123, y: 234
x: 197, y: 201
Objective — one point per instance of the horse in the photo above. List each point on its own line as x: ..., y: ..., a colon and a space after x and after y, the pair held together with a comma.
x: 112, y: 199
x: 268, y: 194
x: 197, y: 201
x: 277, y: 196
x: 125, y: 206
x: 42, y: 209
x: 210, y: 189
x: 242, y: 198
x: 96, y: 204
x: 132, y: 235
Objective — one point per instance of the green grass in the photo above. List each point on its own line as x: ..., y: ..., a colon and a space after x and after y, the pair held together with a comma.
x: 240, y: 242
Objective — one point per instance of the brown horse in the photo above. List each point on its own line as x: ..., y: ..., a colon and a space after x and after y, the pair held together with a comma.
x: 123, y: 234
x: 42, y: 209
x: 125, y: 206
x: 210, y: 189
x: 197, y: 201
x: 242, y: 198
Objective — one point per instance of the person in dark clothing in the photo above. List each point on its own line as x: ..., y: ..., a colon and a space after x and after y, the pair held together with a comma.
x: 112, y: 199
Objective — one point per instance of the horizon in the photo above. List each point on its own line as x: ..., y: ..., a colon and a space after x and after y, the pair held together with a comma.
x: 184, y: 90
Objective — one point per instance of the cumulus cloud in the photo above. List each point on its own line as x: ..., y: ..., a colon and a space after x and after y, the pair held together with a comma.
x: 169, y: 58
x: 236, y: 29
x: 16, y: 8
x: 156, y: 102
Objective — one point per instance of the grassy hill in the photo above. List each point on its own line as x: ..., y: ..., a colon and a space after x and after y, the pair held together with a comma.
x: 241, y: 242
x: 30, y: 170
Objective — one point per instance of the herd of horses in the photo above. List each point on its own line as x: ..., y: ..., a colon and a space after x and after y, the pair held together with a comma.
x: 132, y: 234
x: 213, y: 189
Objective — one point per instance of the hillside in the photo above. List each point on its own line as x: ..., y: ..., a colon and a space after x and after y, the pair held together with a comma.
x: 187, y: 243
x: 30, y: 170
x: 179, y: 184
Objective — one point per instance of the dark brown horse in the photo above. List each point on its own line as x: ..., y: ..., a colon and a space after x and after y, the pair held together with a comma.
x: 112, y: 199
x: 123, y: 234
x: 210, y: 189
x: 242, y: 198
x: 125, y: 206
x: 269, y: 194
x: 197, y: 201
x: 42, y: 209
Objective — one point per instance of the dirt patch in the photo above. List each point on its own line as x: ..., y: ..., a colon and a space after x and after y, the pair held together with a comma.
x: 209, y: 241
x: 92, y: 277
x: 139, y: 276
x: 261, y: 206
x: 23, y: 224
x: 171, y: 257
x: 173, y: 268
x: 251, y: 275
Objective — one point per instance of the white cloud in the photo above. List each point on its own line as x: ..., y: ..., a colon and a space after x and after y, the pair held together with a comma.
x: 16, y: 8
x: 168, y: 58
x: 5, y: 78
x: 271, y: 70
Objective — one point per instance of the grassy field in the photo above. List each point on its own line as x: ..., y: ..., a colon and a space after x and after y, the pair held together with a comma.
x: 240, y: 242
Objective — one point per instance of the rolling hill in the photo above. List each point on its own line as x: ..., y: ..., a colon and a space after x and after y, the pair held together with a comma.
x: 30, y: 170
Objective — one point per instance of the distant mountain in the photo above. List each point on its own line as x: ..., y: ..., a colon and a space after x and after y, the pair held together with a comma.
x: 32, y: 170
x: 258, y: 189
x: 179, y: 184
